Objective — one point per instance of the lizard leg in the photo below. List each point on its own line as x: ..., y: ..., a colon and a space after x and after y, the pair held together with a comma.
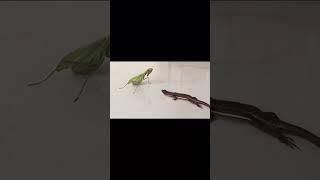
x: 174, y: 97
x: 271, y: 116
x: 196, y: 104
x: 292, y: 129
x: 277, y: 134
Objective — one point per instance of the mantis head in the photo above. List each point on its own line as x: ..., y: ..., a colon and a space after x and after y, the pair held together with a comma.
x: 148, y: 71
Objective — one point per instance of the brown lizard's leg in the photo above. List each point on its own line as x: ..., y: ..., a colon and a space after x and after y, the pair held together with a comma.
x: 197, y: 104
x: 271, y: 116
x: 174, y: 97
x: 292, y: 129
x: 275, y: 133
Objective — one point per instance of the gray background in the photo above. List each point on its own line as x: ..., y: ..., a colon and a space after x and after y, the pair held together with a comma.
x: 267, y: 54
x: 43, y: 134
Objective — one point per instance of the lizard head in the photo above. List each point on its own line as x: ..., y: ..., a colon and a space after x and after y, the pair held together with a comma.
x: 164, y: 91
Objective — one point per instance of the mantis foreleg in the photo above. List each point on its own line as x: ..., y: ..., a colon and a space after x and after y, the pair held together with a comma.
x: 146, y: 78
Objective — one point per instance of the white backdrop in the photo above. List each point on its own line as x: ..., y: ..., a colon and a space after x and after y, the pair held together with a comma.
x: 148, y: 101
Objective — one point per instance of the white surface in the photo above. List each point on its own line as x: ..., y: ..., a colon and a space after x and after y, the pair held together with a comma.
x: 148, y: 101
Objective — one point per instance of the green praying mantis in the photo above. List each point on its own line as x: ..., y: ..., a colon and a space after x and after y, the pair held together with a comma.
x: 137, y: 80
x: 84, y: 61
x: 88, y: 59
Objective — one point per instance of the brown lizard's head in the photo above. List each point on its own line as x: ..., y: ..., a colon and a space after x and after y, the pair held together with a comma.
x: 164, y: 91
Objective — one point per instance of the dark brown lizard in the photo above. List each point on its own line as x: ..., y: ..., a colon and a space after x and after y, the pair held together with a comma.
x: 268, y: 122
x: 234, y: 114
x: 186, y: 97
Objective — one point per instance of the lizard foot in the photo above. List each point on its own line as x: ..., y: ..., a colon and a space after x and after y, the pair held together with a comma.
x: 197, y: 104
x: 288, y: 141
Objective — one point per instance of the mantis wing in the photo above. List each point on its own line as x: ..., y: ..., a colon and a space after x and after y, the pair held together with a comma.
x: 84, y: 59
x: 87, y: 56
x: 92, y: 61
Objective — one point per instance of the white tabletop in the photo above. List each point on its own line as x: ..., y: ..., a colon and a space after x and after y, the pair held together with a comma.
x: 147, y: 101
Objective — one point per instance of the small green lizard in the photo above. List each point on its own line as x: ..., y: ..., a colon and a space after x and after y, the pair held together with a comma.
x: 137, y: 80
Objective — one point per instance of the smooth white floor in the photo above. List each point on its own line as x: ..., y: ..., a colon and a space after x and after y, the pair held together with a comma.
x: 148, y: 101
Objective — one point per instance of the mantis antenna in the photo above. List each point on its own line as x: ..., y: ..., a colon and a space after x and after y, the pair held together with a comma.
x: 124, y: 86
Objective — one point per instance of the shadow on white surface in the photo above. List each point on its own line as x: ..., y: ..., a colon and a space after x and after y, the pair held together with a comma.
x: 43, y: 134
x: 267, y: 56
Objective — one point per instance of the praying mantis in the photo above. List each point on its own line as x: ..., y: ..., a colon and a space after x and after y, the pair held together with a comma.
x: 137, y: 80
x: 84, y: 61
